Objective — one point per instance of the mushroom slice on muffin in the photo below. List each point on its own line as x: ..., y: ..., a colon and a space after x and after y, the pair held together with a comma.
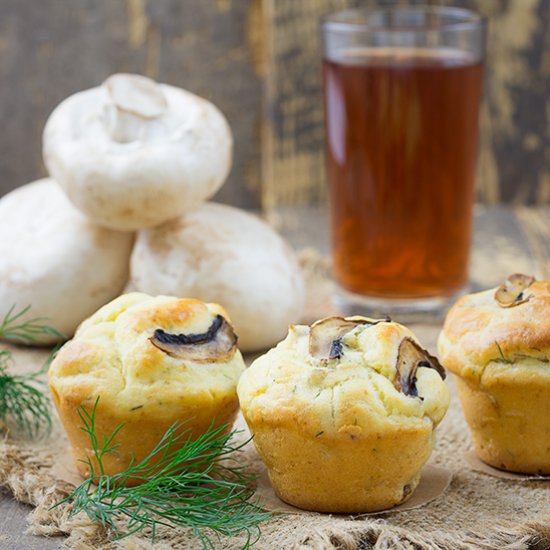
x: 326, y: 335
x: 512, y: 291
x: 218, y: 343
x: 411, y: 357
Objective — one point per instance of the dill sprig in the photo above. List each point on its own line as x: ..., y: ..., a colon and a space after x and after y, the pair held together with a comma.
x: 183, y: 483
x: 32, y: 331
x: 502, y: 357
x: 23, y: 404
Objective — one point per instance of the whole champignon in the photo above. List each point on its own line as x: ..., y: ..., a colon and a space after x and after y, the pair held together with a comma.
x: 325, y: 336
x: 224, y: 255
x: 132, y: 153
x: 411, y: 357
x: 55, y: 260
x: 512, y: 291
x: 218, y: 343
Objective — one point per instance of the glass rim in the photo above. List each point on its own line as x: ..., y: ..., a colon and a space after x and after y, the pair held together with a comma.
x: 466, y: 19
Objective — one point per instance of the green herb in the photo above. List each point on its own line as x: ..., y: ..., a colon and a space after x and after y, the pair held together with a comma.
x: 184, y: 483
x: 26, y: 332
x: 22, y: 402
x: 501, y: 354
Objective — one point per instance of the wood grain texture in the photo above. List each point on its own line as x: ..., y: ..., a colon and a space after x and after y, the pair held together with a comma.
x: 52, y: 48
x: 514, y: 157
x: 259, y: 60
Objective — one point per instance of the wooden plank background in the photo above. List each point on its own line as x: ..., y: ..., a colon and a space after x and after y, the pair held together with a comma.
x: 259, y: 61
x: 50, y: 49
x: 515, y: 117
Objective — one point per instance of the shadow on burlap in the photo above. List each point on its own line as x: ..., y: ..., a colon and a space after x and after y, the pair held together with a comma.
x: 476, y: 512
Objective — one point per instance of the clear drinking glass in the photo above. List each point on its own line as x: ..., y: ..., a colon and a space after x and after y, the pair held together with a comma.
x: 402, y: 88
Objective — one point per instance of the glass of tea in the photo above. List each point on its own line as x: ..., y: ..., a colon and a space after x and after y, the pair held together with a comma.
x: 402, y: 88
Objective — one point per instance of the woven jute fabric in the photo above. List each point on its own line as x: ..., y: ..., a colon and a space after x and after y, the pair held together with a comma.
x: 477, y: 511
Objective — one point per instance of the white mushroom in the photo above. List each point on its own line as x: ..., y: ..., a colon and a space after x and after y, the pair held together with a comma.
x: 133, y: 153
x: 221, y: 254
x: 55, y: 260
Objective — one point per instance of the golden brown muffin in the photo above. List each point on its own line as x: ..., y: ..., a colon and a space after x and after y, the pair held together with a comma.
x: 152, y: 362
x: 343, y: 413
x: 497, y: 343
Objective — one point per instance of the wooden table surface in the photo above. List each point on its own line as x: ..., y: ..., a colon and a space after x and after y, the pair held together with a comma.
x: 506, y: 240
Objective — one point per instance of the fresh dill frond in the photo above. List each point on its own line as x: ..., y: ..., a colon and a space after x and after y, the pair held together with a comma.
x: 32, y: 331
x: 23, y: 404
x: 183, y: 483
x: 502, y: 357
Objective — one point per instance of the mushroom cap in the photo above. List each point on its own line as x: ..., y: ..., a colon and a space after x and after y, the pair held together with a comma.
x: 132, y: 153
x: 221, y: 254
x: 55, y: 260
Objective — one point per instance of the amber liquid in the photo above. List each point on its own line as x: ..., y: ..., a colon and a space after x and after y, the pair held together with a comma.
x: 401, y: 131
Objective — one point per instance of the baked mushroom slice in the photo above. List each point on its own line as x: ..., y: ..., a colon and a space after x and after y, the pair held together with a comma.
x: 512, y: 291
x: 410, y: 357
x: 325, y: 336
x: 218, y: 343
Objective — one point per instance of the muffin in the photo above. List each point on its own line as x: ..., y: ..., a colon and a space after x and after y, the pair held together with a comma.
x: 497, y: 343
x: 343, y: 413
x: 152, y: 362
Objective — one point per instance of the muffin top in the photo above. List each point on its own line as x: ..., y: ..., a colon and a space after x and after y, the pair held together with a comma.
x: 349, y: 376
x: 507, y: 325
x: 159, y: 352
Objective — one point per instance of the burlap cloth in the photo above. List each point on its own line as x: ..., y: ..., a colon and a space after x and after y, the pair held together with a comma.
x: 476, y: 511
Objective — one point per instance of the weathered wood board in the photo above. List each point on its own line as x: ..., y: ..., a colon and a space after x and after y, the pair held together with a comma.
x: 50, y: 49
x: 259, y: 60
x: 514, y: 140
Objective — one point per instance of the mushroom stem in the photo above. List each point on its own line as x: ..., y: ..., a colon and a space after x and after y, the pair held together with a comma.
x: 123, y: 127
x: 134, y: 101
